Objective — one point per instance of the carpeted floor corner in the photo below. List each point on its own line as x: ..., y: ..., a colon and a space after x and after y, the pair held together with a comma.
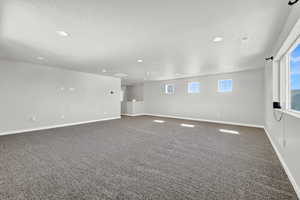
x: 135, y: 158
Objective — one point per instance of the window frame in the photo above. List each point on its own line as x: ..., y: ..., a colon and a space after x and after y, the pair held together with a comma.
x: 166, y: 91
x: 219, y: 91
x: 288, y: 79
x: 188, y: 87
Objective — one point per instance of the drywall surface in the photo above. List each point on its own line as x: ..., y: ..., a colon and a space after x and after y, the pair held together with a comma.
x: 135, y: 108
x: 124, y: 107
x: 285, y: 134
x: 34, y: 96
x: 245, y: 104
x: 124, y: 93
x: 135, y: 92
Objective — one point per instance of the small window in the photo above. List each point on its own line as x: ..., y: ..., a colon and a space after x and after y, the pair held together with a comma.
x: 225, y: 85
x: 169, y: 89
x: 294, y: 79
x: 193, y: 87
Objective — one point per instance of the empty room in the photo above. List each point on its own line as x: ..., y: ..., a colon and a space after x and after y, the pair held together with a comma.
x: 149, y: 100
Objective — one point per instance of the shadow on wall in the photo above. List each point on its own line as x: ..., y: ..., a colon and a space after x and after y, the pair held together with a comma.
x: 135, y: 92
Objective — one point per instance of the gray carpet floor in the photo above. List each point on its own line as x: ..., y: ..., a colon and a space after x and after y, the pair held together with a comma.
x: 135, y: 158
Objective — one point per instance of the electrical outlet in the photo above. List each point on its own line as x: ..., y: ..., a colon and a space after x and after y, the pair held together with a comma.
x: 33, y: 119
x: 62, y: 116
x: 105, y: 113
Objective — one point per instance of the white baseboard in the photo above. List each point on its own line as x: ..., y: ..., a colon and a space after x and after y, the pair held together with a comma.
x: 133, y: 115
x: 205, y: 120
x: 55, y: 126
x: 284, y: 165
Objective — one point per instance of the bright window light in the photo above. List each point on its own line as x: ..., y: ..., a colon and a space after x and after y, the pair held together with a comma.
x: 294, y: 79
x: 188, y: 125
x: 169, y: 89
x: 159, y: 121
x: 229, y: 131
x: 225, y: 85
x: 193, y: 87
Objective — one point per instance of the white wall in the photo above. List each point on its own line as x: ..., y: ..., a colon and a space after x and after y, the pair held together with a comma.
x: 124, y: 89
x: 244, y: 105
x: 134, y: 108
x: 124, y: 102
x: 135, y: 92
x: 286, y: 133
x: 53, y: 96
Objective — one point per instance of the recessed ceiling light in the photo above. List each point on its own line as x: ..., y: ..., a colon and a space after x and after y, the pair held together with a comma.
x: 218, y: 39
x: 177, y: 74
x: 104, y: 70
x: 120, y: 75
x: 40, y: 58
x: 62, y: 33
x: 139, y: 60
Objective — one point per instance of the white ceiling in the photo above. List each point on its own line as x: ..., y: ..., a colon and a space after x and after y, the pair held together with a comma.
x: 172, y: 37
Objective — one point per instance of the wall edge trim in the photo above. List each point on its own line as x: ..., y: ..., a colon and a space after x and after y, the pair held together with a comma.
x: 284, y: 165
x: 133, y: 115
x: 206, y: 120
x: 19, y: 131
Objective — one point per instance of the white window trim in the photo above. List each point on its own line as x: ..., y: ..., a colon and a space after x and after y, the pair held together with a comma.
x: 288, y: 43
x: 287, y: 82
x: 193, y: 92
x: 166, y: 91
x: 225, y: 80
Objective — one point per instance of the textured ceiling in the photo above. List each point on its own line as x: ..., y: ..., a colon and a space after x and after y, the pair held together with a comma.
x: 172, y: 37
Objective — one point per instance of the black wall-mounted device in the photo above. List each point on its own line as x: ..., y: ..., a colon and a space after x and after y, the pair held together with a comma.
x: 269, y: 58
x: 293, y: 2
x: 276, y: 105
